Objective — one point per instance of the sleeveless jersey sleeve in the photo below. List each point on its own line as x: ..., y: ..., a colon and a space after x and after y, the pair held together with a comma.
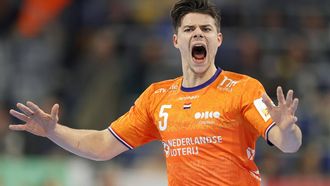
x: 136, y: 127
x: 254, y: 110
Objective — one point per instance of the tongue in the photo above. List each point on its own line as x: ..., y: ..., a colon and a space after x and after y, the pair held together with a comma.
x: 199, y: 56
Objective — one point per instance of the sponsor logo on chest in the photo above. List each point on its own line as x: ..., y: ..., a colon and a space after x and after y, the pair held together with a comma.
x: 207, y: 117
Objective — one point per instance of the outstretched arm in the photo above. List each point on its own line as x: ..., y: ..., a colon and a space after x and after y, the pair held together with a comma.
x: 285, y: 135
x: 91, y: 144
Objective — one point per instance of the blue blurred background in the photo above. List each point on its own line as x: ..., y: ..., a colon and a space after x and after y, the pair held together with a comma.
x: 96, y: 57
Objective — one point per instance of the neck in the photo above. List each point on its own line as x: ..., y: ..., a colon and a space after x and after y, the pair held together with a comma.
x: 193, y: 79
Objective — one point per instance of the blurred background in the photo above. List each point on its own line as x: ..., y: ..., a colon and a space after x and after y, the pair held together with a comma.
x: 96, y: 57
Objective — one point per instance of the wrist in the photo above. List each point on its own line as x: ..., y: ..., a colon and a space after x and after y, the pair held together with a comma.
x: 52, y: 131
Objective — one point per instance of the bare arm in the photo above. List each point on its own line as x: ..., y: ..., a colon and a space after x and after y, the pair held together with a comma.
x: 286, y: 134
x: 91, y: 144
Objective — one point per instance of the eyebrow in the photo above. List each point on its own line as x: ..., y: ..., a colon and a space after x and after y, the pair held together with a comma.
x: 189, y: 26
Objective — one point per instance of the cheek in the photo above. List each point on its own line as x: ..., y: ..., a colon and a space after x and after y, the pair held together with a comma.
x: 183, y: 45
x: 214, y: 44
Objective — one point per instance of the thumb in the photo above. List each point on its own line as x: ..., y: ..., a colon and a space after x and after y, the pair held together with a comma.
x: 54, y: 112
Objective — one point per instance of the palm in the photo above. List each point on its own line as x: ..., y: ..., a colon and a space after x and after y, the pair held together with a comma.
x: 36, y: 120
x: 39, y: 126
x: 283, y: 114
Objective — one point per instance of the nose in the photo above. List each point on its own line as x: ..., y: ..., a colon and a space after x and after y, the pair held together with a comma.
x: 198, y: 36
x: 198, y: 33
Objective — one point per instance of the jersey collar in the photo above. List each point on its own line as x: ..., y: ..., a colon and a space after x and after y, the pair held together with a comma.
x: 208, y: 82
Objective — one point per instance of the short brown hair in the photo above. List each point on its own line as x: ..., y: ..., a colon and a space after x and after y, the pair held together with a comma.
x: 183, y: 7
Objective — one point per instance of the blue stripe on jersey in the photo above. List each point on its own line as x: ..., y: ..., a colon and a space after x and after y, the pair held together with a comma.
x: 267, y: 131
x: 119, y: 139
x: 208, y: 82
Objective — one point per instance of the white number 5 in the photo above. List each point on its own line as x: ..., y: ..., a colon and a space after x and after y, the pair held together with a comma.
x: 164, y: 115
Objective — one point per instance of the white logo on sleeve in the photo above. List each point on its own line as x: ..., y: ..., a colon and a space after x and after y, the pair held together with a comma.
x: 262, y: 109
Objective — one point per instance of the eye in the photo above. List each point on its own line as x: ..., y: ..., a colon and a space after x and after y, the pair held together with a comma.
x: 207, y: 29
x: 187, y: 30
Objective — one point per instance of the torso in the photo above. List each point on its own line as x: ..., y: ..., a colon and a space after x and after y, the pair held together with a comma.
x: 204, y: 134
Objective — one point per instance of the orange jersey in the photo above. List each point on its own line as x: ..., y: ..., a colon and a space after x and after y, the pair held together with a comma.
x: 208, y: 132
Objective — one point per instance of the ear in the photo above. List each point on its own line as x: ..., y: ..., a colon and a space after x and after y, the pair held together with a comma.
x: 220, y: 38
x: 175, y: 40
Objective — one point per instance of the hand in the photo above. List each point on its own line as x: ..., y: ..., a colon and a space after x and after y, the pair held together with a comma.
x: 36, y: 120
x: 283, y: 114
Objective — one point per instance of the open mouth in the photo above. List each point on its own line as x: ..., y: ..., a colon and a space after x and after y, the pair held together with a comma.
x: 198, y: 52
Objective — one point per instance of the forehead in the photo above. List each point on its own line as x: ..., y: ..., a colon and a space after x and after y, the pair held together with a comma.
x: 197, y: 19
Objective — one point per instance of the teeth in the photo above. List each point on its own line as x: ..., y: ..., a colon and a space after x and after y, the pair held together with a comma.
x: 198, y: 45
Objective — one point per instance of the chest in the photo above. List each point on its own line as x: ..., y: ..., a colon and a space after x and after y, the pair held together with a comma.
x: 197, y: 115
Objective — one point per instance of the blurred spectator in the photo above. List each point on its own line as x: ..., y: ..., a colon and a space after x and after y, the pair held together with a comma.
x: 35, y: 14
x: 4, y: 118
x: 311, y: 160
x: 249, y: 53
x: 293, y: 61
x: 9, y: 10
x: 97, y: 81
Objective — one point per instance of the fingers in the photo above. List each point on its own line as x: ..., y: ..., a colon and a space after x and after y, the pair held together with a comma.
x: 289, y: 102
x: 26, y: 110
x: 282, y: 100
x: 17, y: 127
x: 33, y: 107
x: 289, y: 97
x: 30, y: 109
x: 268, y: 102
x: 280, y: 96
x: 54, y: 112
x: 19, y: 115
x: 295, y: 105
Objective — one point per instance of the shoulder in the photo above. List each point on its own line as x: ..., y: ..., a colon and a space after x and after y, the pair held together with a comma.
x: 165, y: 86
x: 241, y: 79
x: 238, y: 83
x: 157, y: 92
